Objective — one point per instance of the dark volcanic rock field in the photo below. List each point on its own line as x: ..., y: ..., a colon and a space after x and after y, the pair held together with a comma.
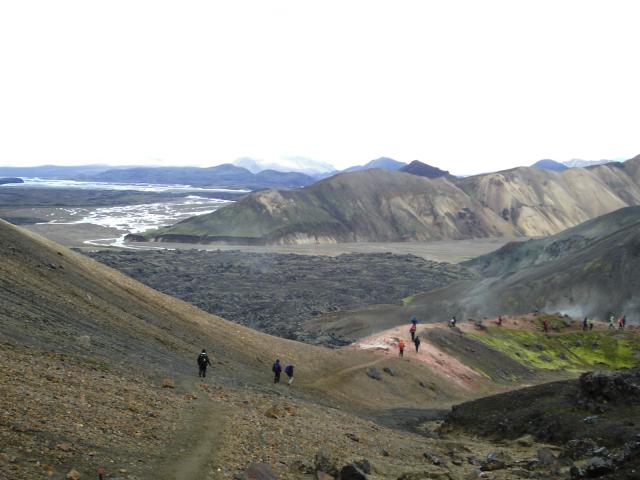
x: 278, y: 293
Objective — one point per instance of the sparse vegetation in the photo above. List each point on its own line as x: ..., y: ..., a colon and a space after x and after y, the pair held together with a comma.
x: 570, y: 351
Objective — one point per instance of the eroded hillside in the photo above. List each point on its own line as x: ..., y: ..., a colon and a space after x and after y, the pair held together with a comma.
x: 382, y: 205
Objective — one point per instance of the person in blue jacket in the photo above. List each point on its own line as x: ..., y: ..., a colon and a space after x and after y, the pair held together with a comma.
x: 288, y: 370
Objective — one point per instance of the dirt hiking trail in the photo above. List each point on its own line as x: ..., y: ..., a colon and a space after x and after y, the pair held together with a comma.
x: 192, y: 454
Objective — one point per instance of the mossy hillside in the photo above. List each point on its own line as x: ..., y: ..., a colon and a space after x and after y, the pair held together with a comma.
x: 408, y: 300
x: 571, y: 351
x: 226, y: 221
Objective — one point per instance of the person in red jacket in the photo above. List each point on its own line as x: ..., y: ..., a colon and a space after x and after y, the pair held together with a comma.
x: 401, y: 347
x: 622, y: 322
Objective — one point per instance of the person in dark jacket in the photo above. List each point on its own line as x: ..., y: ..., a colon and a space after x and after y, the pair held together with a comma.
x: 277, y: 370
x: 288, y: 370
x: 203, y: 362
x: 416, y: 342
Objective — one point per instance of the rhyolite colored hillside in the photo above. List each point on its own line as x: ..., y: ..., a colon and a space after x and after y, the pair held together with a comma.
x: 382, y: 205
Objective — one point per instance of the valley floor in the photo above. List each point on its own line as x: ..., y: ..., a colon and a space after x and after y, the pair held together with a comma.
x: 451, y: 251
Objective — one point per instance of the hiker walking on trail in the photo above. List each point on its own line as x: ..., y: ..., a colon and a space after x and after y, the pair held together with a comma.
x: 499, y: 320
x: 585, y: 324
x: 416, y: 342
x: 545, y: 325
x: 277, y: 369
x: 288, y: 370
x: 622, y: 322
x: 203, y: 362
x: 611, y: 319
x: 591, y: 324
x: 452, y: 322
x: 412, y: 330
x: 401, y: 347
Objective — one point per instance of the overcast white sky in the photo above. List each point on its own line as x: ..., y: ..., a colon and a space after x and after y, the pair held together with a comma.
x: 468, y: 86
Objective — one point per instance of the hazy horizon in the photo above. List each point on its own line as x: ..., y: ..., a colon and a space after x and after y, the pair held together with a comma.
x: 466, y: 86
x: 125, y: 165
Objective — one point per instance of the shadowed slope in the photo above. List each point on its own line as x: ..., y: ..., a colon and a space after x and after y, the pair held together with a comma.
x: 589, y: 270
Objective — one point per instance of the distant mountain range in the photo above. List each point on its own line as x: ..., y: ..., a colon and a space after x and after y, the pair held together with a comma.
x: 383, y: 205
x: 55, y: 171
x: 382, y: 162
x: 423, y: 170
x: 223, y: 176
x: 548, y: 164
x: 576, y: 162
x: 308, y: 166
x: 247, y: 173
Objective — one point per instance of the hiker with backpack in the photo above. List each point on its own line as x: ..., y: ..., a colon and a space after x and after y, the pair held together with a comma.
x: 277, y: 369
x: 288, y: 370
x: 413, y: 328
x: 203, y: 362
x: 452, y: 322
x: 416, y: 342
x: 401, y: 347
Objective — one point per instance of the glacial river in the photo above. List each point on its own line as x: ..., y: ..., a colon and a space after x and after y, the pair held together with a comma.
x: 125, y: 219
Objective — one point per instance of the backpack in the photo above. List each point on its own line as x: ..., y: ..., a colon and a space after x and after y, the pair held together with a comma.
x: 277, y: 368
x: 202, y: 359
x: 289, y: 370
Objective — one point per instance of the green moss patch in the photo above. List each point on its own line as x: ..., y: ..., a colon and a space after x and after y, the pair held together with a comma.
x: 572, y: 351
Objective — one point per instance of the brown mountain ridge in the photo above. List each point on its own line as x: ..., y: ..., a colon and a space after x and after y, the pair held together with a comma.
x: 381, y: 205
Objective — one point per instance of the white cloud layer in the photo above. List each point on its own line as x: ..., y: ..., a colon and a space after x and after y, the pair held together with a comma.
x: 465, y: 85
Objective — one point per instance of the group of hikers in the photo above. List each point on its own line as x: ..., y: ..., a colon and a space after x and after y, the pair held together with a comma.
x: 277, y: 370
x: 204, y: 361
x: 622, y: 322
x: 588, y: 324
x: 414, y: 338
